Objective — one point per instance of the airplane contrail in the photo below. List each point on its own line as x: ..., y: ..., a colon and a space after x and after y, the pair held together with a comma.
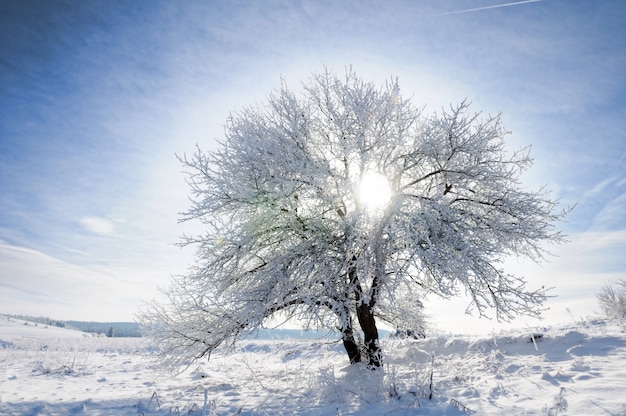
x: 495, y: 6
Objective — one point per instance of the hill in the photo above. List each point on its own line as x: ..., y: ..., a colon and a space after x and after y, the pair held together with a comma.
x: 110, y: 329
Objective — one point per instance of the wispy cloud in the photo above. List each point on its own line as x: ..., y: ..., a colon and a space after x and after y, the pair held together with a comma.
x: 34, y: 283
x: 605, y: 201
x: 495, y: 6
x: 612, y: 215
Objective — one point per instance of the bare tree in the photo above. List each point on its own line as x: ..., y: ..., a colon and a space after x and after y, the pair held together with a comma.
x: 345, y: 204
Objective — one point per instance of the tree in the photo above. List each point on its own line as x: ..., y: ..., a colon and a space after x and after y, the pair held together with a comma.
x: 344, y: 205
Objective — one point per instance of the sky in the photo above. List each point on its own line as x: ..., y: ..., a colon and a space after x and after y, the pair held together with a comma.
x: 98, y: 97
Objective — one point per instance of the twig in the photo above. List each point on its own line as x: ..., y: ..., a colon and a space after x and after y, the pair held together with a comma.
x: 532, y: 338
x: 432, y: 370
x: 460, y: 406
x: 245, y: 361
x: 156, y: 397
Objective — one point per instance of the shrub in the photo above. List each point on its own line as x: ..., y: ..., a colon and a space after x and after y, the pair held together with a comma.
x: 612, y: 300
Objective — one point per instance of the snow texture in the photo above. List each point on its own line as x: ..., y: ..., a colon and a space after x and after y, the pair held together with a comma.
x: 570, y: 370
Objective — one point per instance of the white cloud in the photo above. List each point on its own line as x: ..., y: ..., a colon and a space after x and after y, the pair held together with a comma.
x: 37, y: 284
x: 97, y: 225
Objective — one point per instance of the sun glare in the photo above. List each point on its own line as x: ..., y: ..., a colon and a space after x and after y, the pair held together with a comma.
x: 374, y: 191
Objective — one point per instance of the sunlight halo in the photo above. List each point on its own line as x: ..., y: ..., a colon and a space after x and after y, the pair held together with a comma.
x: 374, y: 192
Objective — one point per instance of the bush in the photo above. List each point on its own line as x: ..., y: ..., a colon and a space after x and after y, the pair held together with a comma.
x: 613, y: 300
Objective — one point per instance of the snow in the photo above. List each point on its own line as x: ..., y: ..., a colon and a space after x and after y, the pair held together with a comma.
x: 576, y: 369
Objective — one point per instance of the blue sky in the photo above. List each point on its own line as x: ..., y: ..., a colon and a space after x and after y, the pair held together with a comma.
x: 97, y: 97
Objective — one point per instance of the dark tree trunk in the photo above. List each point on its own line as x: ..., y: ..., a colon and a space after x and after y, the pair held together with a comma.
x: 351, y: 346
x: 347, y: 336
x: 365, y: 316
x: 370, y: 335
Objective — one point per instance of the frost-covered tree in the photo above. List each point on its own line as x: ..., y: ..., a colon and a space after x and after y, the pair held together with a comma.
x: 343, y: 205
x: 613, y: 300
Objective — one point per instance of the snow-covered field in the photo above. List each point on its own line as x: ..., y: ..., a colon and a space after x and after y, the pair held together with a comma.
x: 574, y: 370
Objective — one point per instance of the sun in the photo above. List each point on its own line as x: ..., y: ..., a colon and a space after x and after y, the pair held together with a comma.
x: 374, y: 192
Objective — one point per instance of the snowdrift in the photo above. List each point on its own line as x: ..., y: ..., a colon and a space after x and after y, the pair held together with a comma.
x: 569, y: 370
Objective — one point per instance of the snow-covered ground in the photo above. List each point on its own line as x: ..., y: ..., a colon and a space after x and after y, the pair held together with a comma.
x: 574, y: 370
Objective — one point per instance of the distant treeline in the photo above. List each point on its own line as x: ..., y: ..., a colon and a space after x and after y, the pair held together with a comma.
x: 110, y: 329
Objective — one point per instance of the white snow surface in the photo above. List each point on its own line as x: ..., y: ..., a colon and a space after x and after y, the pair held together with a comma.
x: 577, y: 369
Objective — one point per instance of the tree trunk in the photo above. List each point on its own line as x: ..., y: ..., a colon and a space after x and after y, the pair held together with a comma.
x: 365, y: 316
x: 370, y: 335
x: 351, y: 346
x: 347, y: 336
